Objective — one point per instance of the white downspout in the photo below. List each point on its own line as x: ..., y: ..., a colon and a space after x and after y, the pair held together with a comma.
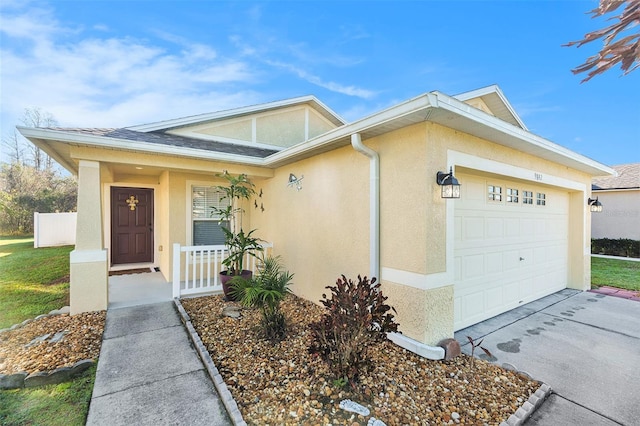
x: 374, y: 204
x: 426, y: 351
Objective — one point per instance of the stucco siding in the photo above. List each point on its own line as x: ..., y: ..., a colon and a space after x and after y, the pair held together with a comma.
x: 423, y: 315
x: 321, y: 231
x: 620, y: 216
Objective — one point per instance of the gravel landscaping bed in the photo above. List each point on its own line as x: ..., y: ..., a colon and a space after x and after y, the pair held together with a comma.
x: 35, y: 346
x: 282, y: 384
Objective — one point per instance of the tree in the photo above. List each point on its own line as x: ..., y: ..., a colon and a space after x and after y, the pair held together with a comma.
x: 31, y: 183
x: 17, y: 145
x: 617, y: 47
x: 36, y: 117
x: 25, y: 190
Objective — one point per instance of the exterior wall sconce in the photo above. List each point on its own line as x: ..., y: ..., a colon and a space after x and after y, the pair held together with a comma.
x: 594, y: 205
x: 449, y: 183
x: 293, y: 180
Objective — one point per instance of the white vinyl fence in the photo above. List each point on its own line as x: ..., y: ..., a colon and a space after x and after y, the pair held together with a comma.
x: 196, y: 268
x: 54, y: 229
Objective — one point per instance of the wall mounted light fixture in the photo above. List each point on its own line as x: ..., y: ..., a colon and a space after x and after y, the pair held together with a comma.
x: 594, y: 205
x: 449, y: 183
x: 293, y: 180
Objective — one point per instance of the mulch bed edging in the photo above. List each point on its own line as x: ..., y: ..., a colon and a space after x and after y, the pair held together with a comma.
x: 42, y: 378
x: 223, y: 391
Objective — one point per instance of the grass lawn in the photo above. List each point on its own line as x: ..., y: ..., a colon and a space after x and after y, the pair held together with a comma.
x: 66, y: 404
x: 32, y: 281
x: 615, y: 273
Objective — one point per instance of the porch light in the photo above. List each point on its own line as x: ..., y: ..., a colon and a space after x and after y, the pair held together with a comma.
x: 449, y: 183
x: 293, y: 180
x: 594, y: 205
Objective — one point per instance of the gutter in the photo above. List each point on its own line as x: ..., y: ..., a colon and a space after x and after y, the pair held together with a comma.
x: 374, y: 203
x: 130, y: 145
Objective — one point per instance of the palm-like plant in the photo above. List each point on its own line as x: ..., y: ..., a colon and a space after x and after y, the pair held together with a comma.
x: 266, y: 291
x: 238, y: 242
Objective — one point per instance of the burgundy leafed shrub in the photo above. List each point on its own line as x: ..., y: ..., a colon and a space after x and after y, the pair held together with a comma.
x: 356, y: 318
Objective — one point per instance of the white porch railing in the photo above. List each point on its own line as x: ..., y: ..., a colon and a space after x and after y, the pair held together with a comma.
x: 196, y: 269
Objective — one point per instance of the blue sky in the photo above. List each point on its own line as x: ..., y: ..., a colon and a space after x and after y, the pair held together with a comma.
x: 122, y: 63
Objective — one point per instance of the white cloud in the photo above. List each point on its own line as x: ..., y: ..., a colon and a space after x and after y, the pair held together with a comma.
x: 110, y: 81
x: 329, y: 85
x: 85, y: 76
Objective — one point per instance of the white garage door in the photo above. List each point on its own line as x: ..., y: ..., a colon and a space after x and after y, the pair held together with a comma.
x: 511, y: 245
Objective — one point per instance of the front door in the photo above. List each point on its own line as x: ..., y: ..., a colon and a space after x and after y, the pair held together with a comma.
x: 131, y: 225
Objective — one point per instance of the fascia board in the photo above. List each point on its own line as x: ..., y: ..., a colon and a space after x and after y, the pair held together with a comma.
x: 128, y: 145
x: 194, y: 119
x: 522, y: 137
x: 615, y: 189
x: 494, y: 88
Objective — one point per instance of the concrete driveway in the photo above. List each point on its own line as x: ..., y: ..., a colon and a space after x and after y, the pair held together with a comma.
x: 586, y: 346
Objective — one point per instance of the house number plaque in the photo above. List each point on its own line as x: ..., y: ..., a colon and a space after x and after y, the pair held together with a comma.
x: 132, y: 201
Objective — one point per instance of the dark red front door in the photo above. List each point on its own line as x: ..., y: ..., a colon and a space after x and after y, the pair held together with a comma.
x: 131, y: 225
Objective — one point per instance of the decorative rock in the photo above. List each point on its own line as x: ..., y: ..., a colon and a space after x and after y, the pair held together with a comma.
x: 37, y: 340
x: 12, y: 381
x: 231, y: 311
x: 455, y: 415
x: 451, y: 348
x: 354, y: 407
x: 375, y: 422
x: 63, y: 310
x: 58, y: 336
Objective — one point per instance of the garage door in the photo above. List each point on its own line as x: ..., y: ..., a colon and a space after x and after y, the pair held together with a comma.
x: 511, y: 245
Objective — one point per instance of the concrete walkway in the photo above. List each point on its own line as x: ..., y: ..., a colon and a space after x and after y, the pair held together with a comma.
x: 585, y: 346
x: 149, y: 374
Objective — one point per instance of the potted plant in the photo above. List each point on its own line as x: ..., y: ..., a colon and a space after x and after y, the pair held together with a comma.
x: 238, y: 243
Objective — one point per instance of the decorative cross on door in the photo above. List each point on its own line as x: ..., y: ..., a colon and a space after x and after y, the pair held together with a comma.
x: 132, y: 201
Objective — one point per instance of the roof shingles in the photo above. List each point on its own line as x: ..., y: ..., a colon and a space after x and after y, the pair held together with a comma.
x: 162, y: 138
x: 628, y: 178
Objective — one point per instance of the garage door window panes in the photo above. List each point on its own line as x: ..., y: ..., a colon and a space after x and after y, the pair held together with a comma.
x: 495, y: 193
x: 512, y: 195
x: 541, y: 199
x: 207, y: 226
x: 527, y: 197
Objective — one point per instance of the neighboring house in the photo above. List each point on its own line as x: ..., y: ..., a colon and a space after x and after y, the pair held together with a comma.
x: 620, y: 198
x: 369, y: 202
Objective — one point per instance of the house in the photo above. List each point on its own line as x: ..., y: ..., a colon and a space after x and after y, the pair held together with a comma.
x: 620, y: 198
x: 369, y: 203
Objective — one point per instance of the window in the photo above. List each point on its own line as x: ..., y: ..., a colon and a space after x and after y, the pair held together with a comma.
x: 527, y: 197
x: 207, y: 227
x: 541, y: 199
x: 495, y: 193
x: 512, y: 195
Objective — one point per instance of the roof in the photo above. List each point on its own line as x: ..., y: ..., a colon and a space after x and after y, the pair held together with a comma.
x: 628, y: 178
x: 497, y: 103
x: 162, y: 138
x: 435, y: 107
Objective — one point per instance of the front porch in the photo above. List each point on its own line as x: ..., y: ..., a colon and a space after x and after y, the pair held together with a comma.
x: 195, y: 274
x: 138, y: 289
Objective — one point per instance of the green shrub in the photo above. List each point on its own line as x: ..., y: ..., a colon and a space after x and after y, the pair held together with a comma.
x: 623, y: 247
x: 356, y: 319
x: 266, y: 291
